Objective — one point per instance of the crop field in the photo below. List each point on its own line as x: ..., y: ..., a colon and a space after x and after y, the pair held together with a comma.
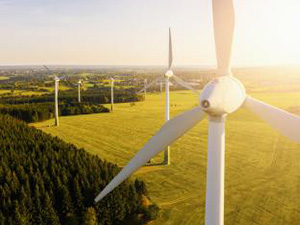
x: 262, y: 167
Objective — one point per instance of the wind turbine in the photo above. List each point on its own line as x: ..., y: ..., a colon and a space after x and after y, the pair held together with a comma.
x: 112, y: 93
x: 79, y: 89
x: 56, y: 86
x: 220, y: 97
x: 167, y: 76
x: 160, y: 86
x: 56, y: 81
x: 145, y: 88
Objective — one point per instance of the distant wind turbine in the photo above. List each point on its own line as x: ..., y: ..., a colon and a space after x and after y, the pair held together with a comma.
x: 56, y: 87
x: 145, y: 88
x: 79, y: 90
x: 220, y: 97
x: 112, y: 94
x: 169, y: 74
x: 160, y: 86
x: 56, y: 81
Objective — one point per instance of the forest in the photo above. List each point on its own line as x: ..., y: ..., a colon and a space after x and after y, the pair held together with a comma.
x: 37, y: 112
x: 98, y: 96
x: 44, y: 180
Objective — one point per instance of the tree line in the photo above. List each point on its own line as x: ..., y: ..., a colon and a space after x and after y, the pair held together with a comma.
x: 44, y: 180
x: 97, y: 96
x: 37, y: 112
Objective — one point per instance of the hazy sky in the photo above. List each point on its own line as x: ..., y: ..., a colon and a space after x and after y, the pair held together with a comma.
x: 130, y: 32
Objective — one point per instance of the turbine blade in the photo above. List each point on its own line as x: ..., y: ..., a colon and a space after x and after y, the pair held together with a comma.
x: 185, y: 85
x: 47, y: 68
x: 63, y: 77
x: 169, y: 133
x: 283, y: 121
x: 149, y: 85
x: 223, y: 18
x: 170, y: 50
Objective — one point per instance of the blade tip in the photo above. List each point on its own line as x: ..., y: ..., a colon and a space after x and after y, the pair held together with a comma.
x: 98, y: 198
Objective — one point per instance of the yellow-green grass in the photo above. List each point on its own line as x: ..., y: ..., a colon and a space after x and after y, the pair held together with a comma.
x: 262, y: 167
x: 4, y: 78
x: 61, y: 87
x: 21, y: 92
x: 15, y: 92
x: 2, y: 91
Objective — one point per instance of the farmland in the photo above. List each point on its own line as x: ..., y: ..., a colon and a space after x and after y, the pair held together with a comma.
x: 262, y: 167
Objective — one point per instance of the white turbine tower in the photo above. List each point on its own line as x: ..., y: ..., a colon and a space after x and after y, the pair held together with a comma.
x: 145, y: 88
x: 56, y: 82
x: 79, y: 90
x: 167, y: 76
x: 112, y: 94
x: 56, y: 86
x: 160, y: 86
x: 220, y: 97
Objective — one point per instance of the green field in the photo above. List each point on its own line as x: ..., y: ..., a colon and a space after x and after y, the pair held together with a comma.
x: 262, y: 167
x: 4, y: 78
x: 21, y: 92
x: 29, y: 93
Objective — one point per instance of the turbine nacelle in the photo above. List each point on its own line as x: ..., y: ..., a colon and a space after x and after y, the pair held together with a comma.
x: 169, y: 73
x: 222, y: 96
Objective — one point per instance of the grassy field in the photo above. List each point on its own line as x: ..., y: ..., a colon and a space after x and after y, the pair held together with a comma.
x: 21, y: 92
x: 37, y: 92
x: 4, y: 78
x: 262, y: 167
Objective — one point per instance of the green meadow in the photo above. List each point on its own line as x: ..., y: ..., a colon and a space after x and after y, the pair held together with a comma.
x: 262, y: 167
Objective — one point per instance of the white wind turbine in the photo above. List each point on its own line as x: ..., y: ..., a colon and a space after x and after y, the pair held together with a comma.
x: 56, y: 81
x: 169, y: 74
x: 220, y: 97
x: 112, y: 81
x: 79, y: 83
x: 145, y: 87
x: 56, y: 87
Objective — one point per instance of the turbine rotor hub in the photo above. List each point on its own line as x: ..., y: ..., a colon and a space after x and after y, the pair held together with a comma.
x: 222, y: 96
x: 169, y: 73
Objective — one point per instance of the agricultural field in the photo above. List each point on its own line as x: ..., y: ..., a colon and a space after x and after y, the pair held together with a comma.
x: 262, y: 167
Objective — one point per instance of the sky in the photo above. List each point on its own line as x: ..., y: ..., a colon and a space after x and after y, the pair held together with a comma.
x: 135, y: 32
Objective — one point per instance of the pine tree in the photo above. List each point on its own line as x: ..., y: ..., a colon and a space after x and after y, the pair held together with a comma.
x: 37, y: 217
x: 71, y: 219
x: 49, y: 213
x: 140, y: 187
x: 21, y: 216
x: 2, y: 219
x: 90, y: 217
x: 66, y: 201
x: 78, y: 195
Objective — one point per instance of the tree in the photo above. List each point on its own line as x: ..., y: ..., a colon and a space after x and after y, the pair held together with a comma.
x: 2, y: 219
x: 49, y: 213
x: 140, y: 187
x: 37, y: 217
x: 90, y: 217
x: 21, y: 215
